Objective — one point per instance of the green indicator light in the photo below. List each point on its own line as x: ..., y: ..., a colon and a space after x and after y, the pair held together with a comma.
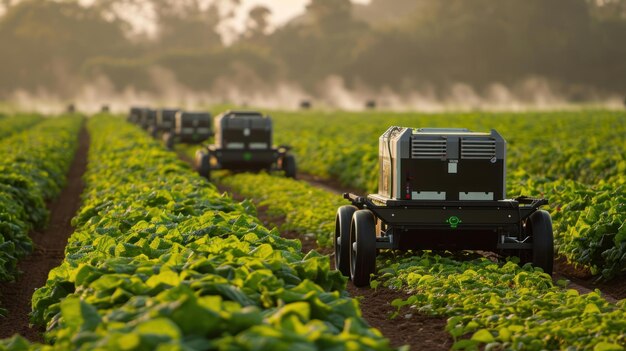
x: 453, y: 221
x: 247, y: 156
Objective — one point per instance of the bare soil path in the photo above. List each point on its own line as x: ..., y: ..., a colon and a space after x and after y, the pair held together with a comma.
x: 584, y: 282
x: 418, y: 331
x: 49, y: 246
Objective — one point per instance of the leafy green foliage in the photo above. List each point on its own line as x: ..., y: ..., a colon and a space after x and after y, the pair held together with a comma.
x: 33, y: 166
x: 13, y: 124
x: 498, y: 306
x: 306, y: 209
x: 161, y: 260
x: 503, y: 306
x: 490, y: 305
x: 590, y: 222
x: 577, y: 160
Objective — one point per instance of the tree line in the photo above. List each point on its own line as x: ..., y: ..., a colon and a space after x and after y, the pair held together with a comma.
x: 404, y: 44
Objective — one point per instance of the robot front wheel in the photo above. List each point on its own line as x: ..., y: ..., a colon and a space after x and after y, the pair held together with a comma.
x: 362, y: 247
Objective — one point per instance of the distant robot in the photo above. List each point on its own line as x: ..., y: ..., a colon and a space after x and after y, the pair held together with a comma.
x: 305, y: 105
x: 189, y: 128
x: 243, y: 142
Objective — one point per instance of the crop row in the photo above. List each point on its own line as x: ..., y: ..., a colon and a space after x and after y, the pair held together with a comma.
x: 299, y: 206
x: 33, y: 167
x: 497, y: 305
x: 577, y: 160
x: 161, y: 260
x: 503, y: 307
x: 305, y: 209
x: 589, y: 222
x: 14, y: 124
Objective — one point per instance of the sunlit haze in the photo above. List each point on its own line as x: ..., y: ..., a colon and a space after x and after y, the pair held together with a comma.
x: 282, y: 10
x: 404, y: 54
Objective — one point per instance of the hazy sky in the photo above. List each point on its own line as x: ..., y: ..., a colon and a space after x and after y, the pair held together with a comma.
x: 141, y: 15
x: 282, y: 10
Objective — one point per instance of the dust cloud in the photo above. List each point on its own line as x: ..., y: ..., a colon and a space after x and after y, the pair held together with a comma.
x: 534, y: 93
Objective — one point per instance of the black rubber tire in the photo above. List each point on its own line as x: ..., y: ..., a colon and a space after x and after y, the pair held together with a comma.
x: 540, y: 224
x: 362, y: 247
x: 289, y: 166
x: 202, y: 163
x: 342, y: 238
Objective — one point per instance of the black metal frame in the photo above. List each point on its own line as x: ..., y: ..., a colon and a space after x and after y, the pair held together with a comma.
x: 449, y: 225
x: 247, y: 159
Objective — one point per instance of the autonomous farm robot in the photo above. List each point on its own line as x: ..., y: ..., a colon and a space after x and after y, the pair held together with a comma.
x: 243, y: 142
x: 189, y: 128
x: 440, y: 189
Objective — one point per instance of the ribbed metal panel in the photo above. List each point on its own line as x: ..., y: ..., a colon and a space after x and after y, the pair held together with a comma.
x: 428, y: 148
x: 478, y: 148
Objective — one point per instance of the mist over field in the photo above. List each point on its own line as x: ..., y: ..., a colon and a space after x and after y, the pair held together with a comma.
x: 428, y: 55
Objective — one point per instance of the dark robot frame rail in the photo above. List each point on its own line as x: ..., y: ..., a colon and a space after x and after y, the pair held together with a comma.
x: 512, y: 227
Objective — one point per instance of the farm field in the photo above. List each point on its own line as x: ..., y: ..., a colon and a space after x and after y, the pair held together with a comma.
x: 577, y: 160
x: 278, y: 195
x: 312, y: 175
x: 33, y: 164
x: 576, y: 179
x: 162, y: 259
x: 156, y: 244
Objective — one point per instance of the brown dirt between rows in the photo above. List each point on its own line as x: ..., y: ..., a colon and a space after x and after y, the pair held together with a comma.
x: 612, y: 290
x: 49, y: 246
x: 418, y: 331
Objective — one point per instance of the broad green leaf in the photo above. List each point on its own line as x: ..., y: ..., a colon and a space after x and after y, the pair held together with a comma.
x: 79, y: 315
x: 159, y: 326
x: 483, y: 336
x: 605, y: 346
